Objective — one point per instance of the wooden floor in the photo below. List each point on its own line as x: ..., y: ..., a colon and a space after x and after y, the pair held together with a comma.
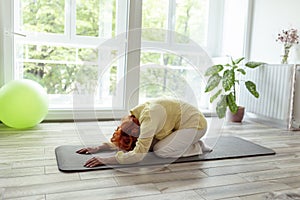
x: 28, y: 169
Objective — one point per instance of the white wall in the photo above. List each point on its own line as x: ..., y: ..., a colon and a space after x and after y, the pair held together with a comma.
x: 269, y: 18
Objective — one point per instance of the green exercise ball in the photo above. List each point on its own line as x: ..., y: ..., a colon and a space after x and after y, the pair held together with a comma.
x: 23, y: 104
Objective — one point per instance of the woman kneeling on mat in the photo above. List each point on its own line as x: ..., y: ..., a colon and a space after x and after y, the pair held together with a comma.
x: 169, y: 128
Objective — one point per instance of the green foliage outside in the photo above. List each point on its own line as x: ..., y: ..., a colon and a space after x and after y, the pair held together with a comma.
x: 160, y: 80
x: 155, y: 15
x: 43, y: 15
x: 191, y: 21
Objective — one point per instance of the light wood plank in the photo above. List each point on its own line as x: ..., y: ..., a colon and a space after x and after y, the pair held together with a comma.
x: 240, y: 189
x: 216, y: 171
x: 5, y: 173
x: 34, y: 163
x: 37, y: 179
x: 38, y: 197
x: 271, y: 174
x: 293, y: 182
x: 58, y: 187
x: 107, y: 193
x: 183, y: 185
x: 185, y: 195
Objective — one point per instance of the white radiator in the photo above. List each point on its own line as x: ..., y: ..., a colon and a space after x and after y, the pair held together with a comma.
x: 275, y: 84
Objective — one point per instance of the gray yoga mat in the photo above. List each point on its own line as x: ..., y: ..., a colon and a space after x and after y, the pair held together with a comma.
x: 227, y: 147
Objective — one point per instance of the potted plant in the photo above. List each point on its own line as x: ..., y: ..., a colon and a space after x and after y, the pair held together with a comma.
x: 228, y: 74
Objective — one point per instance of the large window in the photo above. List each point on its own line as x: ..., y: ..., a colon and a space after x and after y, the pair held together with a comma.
x: 86, y: 46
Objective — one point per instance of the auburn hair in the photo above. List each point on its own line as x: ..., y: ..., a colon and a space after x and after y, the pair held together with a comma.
x: 126, y: 135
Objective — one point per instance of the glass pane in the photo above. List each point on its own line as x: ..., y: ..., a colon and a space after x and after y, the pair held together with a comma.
x: 170, y: 75
x: 96, y: 18
x: 192, y: 20
x: 155, y: 14
x: 55, y: 78
x: 43, y: 52
x: 63, y: 71
x: 42, y: 16
x: 87, y: 54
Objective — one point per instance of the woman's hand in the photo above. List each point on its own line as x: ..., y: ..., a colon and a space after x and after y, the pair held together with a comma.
x: 97, y: 161
x: 93, y: 162
x: 88, y: 150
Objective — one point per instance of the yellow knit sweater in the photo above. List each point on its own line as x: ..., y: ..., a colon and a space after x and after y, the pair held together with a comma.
x: 158, y: 119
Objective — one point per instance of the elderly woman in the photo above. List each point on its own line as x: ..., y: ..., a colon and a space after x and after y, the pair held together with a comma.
x: 169, y: 128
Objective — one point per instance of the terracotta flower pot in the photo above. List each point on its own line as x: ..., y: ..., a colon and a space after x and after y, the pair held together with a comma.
x: 237, y: 117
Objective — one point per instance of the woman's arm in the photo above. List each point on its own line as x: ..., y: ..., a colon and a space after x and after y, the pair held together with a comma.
x: 89, y: 150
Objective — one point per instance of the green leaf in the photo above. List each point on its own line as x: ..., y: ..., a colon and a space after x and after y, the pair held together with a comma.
x: 213, y: 82
x: 237, y: 61
x: 232, y: 61
x: 228, y: 79
x: 252, y: 88
x: 241, y: 71
x: 213, y: 70
x: 231, y: 103
x: 221, y: 107
x: 254, y: 64
x: 215, y: 96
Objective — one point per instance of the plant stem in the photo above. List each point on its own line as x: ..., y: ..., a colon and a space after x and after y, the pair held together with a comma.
x: 234, y: 85
x: 234, y: 92
x: 286, y: 54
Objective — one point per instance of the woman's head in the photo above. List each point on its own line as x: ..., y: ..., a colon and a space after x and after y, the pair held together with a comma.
x: 127, y: 133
